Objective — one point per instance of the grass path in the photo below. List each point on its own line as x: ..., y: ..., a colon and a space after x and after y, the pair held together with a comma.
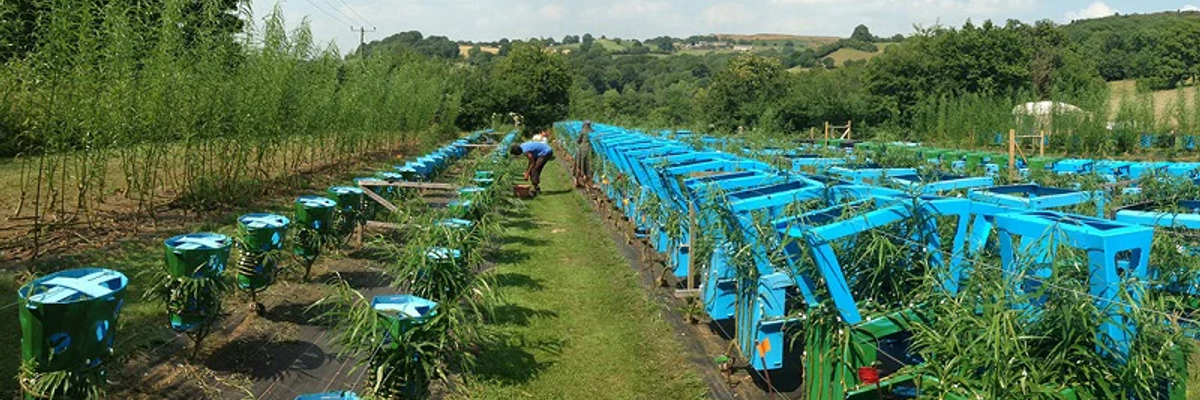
x: 574, y: 322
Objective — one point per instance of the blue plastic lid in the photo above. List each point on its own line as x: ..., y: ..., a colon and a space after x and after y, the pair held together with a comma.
x: 329, y: 396
x: 74, y: 285
x: 442, y: 253
x: 345, y: 190
x: 404, y: 305
x: 454, y: 223
x: 264, y: 221
x: 316, y: 202
x: 471, y: 189
x: 199, y: 241
x: 391, y: 176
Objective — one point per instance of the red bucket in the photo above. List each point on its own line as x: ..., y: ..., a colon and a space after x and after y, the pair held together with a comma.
x: 523, y: 191
x: 868, y: 375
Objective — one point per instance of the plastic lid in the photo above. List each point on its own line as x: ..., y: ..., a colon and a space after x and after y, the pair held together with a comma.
x: 454, y: 223
x: 74, y: 285
x: 316, y: 202
x: 340, y: 190
x: 198, y: 241
x: 329, y: 396
x: 389, y: 175
x: 404, y: 305
x: 264, y: 221
x: 442, y: 253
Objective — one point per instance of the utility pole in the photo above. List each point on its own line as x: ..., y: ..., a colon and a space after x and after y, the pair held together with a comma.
x: 362, y: 39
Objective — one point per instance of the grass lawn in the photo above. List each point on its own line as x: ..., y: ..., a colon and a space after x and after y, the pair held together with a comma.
x: 574, y: 322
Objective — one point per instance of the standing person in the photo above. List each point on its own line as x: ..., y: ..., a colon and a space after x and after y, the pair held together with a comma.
x: 538, y: 154
x: 583, y: 173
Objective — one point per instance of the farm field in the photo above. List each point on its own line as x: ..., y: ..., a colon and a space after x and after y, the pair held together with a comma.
x: 1166, y: 102
x: 202, y: 200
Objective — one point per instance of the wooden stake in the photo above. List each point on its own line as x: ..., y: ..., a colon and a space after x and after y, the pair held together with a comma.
x: 1012, y: 154
x: 691, y: 245
x: 1042, y: 144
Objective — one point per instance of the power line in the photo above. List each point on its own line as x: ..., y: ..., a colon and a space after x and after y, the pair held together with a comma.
x: 335, y: 18
x: 360, y: 17
x: 339, y: 11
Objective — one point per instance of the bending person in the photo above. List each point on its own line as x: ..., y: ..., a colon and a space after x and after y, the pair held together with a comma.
x: 538, y: 154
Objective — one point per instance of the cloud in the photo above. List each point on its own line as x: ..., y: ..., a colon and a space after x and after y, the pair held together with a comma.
x: 553, y: 12
x: 1189, y: 7
x: 628, y: 9
x: 1094, y: 10
x: 726, y: 16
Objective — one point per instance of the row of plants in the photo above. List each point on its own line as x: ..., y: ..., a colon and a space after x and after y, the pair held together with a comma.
x: 980, y: 340
x: 197, y: 279
x: 439, y: 261
x: 198, y: 104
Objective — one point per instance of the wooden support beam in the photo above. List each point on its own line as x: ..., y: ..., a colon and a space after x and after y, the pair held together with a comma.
x: 687, y: 293
x: 378, y: 199
x: 383, y: 225
x: 408, y: 185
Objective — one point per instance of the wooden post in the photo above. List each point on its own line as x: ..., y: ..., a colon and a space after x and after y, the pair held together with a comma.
x: 812, y: 133
x: 691, y: 246
x: 1012, y: 154
x: 826, y: 133
x: 1042, y: 144
x: 849, y: 131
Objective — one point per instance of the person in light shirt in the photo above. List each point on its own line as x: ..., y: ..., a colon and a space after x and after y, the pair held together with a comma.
x: 538, y: 154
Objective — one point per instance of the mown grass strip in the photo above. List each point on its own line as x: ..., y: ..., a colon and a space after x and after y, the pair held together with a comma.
x: 575, y: 323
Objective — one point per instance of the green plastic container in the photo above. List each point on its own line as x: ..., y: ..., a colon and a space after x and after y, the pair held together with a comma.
x: 930, y: 154
x: 261, y: 233
x: 315, y: 212
x: 975, y: 159
x: 399, y: 313
x: 348, y: 198
x: 464, y: 209
x: 484, y: 182
x: 197, y: 255
x: 69, y: 318
x: 350, y: 207
x: 1040, y: 163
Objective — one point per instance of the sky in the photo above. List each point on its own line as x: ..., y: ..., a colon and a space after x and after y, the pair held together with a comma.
x: 489, y: 20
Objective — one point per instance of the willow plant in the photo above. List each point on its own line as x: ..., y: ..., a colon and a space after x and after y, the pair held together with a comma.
x: 194, y: 303
x: 983, y: 345
x: 190, y: 110
x: 82, y: 385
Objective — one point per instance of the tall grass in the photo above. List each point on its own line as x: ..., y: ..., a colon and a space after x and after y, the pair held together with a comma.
x: 172, y: 105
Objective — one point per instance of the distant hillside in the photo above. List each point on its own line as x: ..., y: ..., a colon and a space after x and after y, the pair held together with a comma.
x: 1156, y: 48
x: 464, y: 50
x: 841, y: 56
x: 774, y: 39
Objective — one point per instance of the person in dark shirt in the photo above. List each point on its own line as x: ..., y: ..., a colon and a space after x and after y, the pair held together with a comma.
x: 538, y: 154
x: 583, y: 172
